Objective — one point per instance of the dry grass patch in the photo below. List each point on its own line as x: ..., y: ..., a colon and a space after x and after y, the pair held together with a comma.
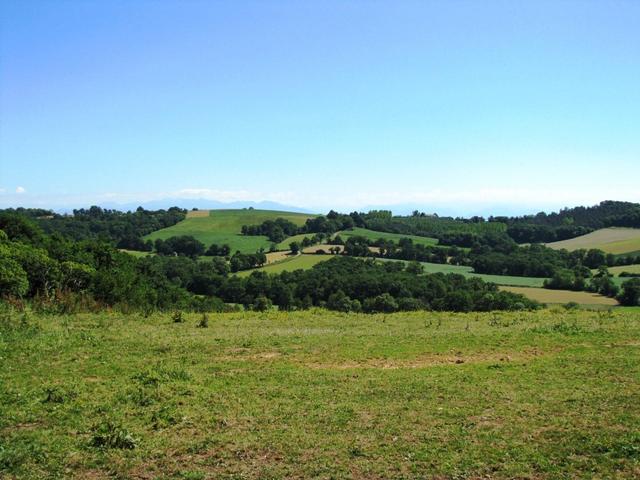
x: 322, y: 246
x: 546, y: 295
x: 611, y: 240
x: 197, y: 213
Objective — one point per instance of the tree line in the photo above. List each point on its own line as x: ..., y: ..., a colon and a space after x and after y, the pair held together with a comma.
x: 63, y: 274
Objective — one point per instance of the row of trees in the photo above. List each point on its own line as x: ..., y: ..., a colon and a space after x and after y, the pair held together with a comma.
x: 123, y: 229
x: 571, y: 222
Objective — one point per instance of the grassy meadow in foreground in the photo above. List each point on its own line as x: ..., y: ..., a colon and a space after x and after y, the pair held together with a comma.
x: 224, y: 226
x: 548, y: 394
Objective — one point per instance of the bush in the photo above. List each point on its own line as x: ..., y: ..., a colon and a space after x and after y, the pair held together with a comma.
x: 262, y: 304
x: 177, y: 317
x: 383, y: 303
x: 630, y: 295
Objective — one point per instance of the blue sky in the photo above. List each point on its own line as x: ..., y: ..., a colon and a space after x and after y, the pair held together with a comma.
x: 470, y: 106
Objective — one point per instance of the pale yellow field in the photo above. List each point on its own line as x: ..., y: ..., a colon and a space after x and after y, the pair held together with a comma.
x: 197, y: 213
x: 611, y: 240
x: 274, y: 257
x: 546, y: 295
x: 322, y: 246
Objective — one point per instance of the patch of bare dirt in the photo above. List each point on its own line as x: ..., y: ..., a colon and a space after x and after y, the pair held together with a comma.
x: 432, y: 359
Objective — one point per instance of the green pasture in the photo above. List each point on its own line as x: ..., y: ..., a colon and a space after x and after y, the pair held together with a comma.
x: 224, y: 226
x: 551, y: 394
x: 374, y: 235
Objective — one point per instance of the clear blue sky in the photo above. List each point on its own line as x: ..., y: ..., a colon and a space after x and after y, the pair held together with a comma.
x: 328, y: 103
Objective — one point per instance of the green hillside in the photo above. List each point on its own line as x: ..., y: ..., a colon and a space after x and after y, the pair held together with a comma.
x: 224, y: 226
x: 300, y: 262
x: 374, y: 235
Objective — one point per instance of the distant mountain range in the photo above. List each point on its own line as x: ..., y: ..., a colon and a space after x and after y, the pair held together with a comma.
x: 399, y: 209
x: 201, y: 204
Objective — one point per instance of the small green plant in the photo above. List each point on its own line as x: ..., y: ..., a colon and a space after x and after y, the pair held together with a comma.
x: 177, y: 317
x: 165, y: 416
x: 204, y: 321
x: 571, y: 306
x: 110, y: 434
x: 56, y: 394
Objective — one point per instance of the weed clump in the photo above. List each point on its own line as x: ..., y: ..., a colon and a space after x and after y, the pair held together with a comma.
x: 56, y: 394
x: 110, y: 434
x: 177, y: 317
x: 204, y: 321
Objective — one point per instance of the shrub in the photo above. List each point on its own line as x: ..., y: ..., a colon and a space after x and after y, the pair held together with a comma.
x: 262, y: 304
x: 177, y: 317
x: 56, y: 394
x: 383, y: 303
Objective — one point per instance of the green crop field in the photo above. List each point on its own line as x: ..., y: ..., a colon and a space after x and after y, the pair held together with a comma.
x: 374, y: 235
x: 623, y: 268
x: 223, y: 226
x: 284, y: 245
x: 540, y: 395
x: 611, y: 240
x: 289, y: 265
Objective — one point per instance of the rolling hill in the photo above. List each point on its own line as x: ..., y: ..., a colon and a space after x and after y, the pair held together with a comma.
x: 375, y: 235
x: 611, y: 240
x: 224, y: 226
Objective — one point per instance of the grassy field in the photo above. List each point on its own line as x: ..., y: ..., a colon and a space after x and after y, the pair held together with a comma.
x: 284, y: 245
x: 543, y: 395
x: 623, y: 268
x: 223, y: 226
x: 373, y: 235
x: 546, y: 295
x: 136, y: 253
x: 610, y: 240
x: 289, y: 265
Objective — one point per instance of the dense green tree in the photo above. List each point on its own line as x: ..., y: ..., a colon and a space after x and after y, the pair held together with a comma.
x: 630, y: 295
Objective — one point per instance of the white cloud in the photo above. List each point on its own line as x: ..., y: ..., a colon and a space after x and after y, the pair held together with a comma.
x: 20, y: 190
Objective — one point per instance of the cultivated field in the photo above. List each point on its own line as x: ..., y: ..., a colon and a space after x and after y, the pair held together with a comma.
x: 546, y: 295
x: 136, y: 253
x: 324, y: 246
x: 197, y: 213
x: 284, y: 245
x: 374, y: 235
x: 624, y: 268
x: 223, y: 226
x: 610, y: 240
x: 543, y: 395
x: 299, y: 262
